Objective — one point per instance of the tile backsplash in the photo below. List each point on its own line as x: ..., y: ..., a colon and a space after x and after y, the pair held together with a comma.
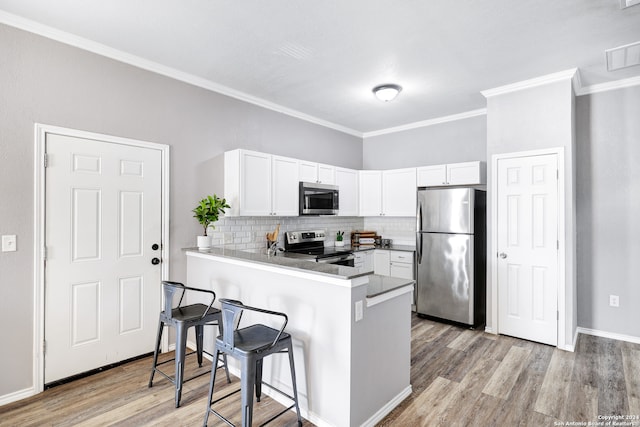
x: 250, y: 232
x: 401, y: 230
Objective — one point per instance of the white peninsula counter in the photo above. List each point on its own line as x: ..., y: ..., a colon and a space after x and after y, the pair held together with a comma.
x: 351, y: 332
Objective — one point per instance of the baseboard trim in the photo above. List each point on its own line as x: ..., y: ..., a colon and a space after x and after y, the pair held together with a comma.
x: 17, y: 395
x: 610, y: 335
x: 384, y: 411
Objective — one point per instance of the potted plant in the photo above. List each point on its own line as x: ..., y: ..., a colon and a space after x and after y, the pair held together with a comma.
x: 339, y: 238
x: 207, y: 212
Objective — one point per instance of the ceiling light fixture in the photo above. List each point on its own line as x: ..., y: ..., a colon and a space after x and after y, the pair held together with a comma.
x: 387, y: 92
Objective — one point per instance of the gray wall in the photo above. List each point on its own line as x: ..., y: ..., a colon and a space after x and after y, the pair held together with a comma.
x: 42, y: 81
x: 451, y: 142
x: 608, y: 210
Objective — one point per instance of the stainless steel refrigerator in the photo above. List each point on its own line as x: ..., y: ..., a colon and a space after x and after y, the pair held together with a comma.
x: 451, y: 254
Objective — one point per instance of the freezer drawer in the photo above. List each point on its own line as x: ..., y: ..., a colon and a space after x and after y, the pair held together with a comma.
x: 445, y: 276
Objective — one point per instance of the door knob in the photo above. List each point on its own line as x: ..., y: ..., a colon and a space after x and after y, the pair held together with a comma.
x: 502, y: 255
x: 155, y: 246
x: 155, y: 261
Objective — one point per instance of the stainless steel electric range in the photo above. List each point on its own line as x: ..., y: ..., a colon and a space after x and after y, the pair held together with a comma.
x: 310, y: 245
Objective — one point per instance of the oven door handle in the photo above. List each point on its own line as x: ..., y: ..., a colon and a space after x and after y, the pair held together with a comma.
x: 333, y: 259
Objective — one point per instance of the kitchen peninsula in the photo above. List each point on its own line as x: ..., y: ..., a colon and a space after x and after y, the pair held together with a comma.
x: 351, y: 331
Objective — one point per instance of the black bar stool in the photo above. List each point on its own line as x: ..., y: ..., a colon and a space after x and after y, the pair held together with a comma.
x: 250, y: 345
x: 182, y: 318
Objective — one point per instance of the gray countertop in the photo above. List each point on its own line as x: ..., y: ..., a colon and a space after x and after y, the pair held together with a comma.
x: 377, y: 284
x: 284, y: 260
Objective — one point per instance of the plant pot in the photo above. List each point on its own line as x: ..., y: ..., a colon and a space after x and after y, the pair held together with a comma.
x: 204, y: 242
x: 339, y: 243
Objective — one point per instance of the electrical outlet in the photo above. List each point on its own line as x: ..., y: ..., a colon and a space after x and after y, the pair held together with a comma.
x: 359, y: 312
x: 9, y: 243
x: 614, y: 300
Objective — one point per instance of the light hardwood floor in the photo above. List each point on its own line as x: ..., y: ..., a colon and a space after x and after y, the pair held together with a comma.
x: 460, y: 377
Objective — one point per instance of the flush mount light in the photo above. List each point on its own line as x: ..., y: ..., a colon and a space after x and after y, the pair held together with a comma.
x: 387, y: 92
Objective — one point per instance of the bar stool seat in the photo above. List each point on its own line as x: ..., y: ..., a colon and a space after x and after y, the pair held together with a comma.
x: 182, y: 318
x: 250, y: 345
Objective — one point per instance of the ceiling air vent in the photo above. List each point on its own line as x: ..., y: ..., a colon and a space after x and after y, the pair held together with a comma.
x: 627, y: 3
x: 623, y: 56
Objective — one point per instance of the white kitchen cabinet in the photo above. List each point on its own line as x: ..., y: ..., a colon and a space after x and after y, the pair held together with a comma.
x: 317, y: 172
x: 347, y: 182
x: 381, y: 262
x: 401, y: 264
x: 284, y: 186
x: 388, y: 193
x: 467, y: 173
x: 370, y: 195
x: 394, y: 263
x: 258, y: 184
x: 399, y: 192
x: 364, y: 261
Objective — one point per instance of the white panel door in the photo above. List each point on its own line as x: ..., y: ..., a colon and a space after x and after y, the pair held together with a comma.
x: 527, y: 247
x: 102, y: 292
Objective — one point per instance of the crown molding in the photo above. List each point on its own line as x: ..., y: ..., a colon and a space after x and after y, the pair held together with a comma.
x: 425, y: 123
x: 136, y: 61
x: 604, y: 87
x: 526, y: 84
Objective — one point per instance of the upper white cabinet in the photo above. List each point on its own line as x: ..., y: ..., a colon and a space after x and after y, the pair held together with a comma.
x: 347, y: 182
x: 468, y: 173
x: 388, y: 193
x: 399, y: 192
x: 317, y: 172
x: 370, y: 193
x: 258, y: 184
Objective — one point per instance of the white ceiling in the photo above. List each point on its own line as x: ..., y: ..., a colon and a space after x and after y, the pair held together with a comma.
x: 321, y: 58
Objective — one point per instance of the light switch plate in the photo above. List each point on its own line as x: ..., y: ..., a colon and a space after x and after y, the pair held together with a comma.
x: 9, y: 243
x: 359, y: 313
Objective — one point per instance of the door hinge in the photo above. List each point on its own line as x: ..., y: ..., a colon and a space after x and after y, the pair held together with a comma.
x: 558, y: 174
x: 44, y: 253
x: 46, y: 160
x: 558, y: 244
x: 44, y: 347
x: 557, y: 315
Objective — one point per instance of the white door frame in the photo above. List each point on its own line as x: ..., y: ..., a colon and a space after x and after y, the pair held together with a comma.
x: 493, y: 249
x: 39, y: 251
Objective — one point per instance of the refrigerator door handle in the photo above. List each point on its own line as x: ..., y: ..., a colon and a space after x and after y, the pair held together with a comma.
x: 419, y: 233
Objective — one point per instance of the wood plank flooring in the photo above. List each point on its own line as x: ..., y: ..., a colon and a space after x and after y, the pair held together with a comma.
x: 460, y: 377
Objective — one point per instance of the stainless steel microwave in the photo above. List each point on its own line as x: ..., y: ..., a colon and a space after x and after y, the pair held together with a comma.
x: 318, y: 199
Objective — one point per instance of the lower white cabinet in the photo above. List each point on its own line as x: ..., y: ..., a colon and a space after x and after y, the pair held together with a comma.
x: 364, y: 261
x: 381, y: 262
x: 401, y: 264
x: 394, y: 263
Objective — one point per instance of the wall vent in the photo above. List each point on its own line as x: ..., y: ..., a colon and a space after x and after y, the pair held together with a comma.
x: 628, y: 3
x: 623, y: 56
